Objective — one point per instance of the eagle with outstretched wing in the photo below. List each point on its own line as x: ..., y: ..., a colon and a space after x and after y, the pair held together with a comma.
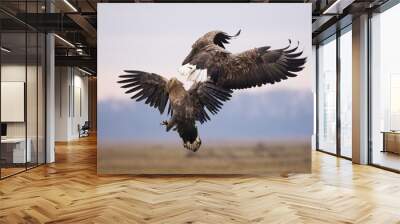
x: 185, y: 106
x: 209, y: 60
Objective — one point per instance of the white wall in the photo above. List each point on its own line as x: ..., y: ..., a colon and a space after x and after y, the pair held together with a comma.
x: 16, y: 73
x: 13, y: 101
x: 79, y: 111
x: 70, y: 83
x: 62, y: 82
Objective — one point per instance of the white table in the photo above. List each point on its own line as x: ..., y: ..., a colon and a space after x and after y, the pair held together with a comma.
x: 19, y: 155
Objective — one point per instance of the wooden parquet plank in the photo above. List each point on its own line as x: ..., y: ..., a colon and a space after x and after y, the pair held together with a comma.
x: 70, y: 191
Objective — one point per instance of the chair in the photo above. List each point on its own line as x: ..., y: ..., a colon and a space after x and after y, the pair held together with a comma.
x: 84, y: 130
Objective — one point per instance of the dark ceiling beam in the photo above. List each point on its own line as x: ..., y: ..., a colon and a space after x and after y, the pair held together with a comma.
x: 81, y: 61
x: 63, y: 6
x: 91, y: 5
x: 15, y: 18
x: 321, y: 22
x: 85, y: 25
x: 49, y: 22
x: 11, y: 25
x: 66, y: 51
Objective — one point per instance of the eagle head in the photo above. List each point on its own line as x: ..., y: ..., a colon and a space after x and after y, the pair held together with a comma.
x: 215, y: 37
x: 195, y: 64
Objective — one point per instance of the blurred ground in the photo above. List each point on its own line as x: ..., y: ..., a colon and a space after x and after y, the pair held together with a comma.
x: 228, y: 157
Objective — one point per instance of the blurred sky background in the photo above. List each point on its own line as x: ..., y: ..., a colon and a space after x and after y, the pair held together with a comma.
x: 157, y: 37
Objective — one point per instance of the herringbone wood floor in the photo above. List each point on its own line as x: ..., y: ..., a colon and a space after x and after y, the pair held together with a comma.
x: 69, y: 191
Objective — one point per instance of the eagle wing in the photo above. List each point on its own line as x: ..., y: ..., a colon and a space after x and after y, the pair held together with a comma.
x: 148, y: 86
x: 260, y: 66
x: 207, y: 95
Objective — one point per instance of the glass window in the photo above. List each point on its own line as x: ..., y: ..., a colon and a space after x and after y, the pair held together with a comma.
x: 346, y: 93
x: 14, y: 153
x: 22, y: 88
x: 327, y: 96
x: 385, y: 87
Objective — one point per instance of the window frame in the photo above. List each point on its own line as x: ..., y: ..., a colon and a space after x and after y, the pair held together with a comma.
x: 334, y: 37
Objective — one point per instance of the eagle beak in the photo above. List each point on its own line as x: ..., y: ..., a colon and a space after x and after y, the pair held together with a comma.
x: 189, y: 57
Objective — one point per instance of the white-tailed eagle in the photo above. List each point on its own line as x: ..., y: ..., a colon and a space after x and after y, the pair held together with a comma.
x: 185, y: 107
x: 209, y: 60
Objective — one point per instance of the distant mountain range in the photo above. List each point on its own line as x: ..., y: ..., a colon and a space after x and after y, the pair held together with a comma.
x: 264, y: 115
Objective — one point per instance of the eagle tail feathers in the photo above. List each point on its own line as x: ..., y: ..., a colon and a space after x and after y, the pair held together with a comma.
x: 190, y: 137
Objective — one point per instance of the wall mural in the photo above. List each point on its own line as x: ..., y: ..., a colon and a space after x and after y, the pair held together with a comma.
x: 248, y: 108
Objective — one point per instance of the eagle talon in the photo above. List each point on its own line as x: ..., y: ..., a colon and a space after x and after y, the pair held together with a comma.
x: 164, y: 123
